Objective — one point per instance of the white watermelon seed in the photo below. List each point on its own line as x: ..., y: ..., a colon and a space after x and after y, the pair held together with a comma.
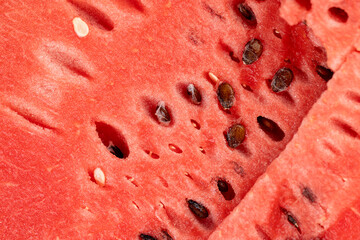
x: 99, y: 177
x: 213, y: 78
x: 80, y: 27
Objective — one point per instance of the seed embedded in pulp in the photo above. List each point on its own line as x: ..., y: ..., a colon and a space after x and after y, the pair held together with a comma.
x: 162, y: 114
x: 282, y: 79
x: 115, y: 150
x: 226, y: 95
x: 222, y: 186
x: 235, y: 135
x: 198, y: 209
x: 247, y: 14
x: 194, y: 93
x: 146, y: 237
x: 252, y: 52
x: 324, y: 73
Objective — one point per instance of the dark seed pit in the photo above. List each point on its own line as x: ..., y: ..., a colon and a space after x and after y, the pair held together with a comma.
x: 222, y: 186
x: 271, y: 128
x: 282, y: 79
x: 165, y: 235
x: 309, y: 194
x: 247, y: 14
x: 197, y: 209
x: 115, y: 150
x: 146, y: 237
x: 162, y: 114
x: 324, y: 73
x: 291, y: 219
x: 194, y: 94
x: 226, y: 95
x: 252, y: 52
x: 235, y: 135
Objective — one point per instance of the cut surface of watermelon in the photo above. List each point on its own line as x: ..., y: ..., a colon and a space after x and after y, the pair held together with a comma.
x: 144, y: 119
x: 312, y: 190
x: 336, y: 23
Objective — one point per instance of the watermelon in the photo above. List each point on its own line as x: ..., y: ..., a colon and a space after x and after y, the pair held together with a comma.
x: 312, y: 190
x: 137, y: 119
x: 336, y: 23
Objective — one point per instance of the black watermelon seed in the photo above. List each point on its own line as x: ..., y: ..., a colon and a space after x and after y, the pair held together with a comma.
x: 324, y: 73
x: 247, y: 14
x: 115, y: 150
x: 271, y: 128
x: 282, y: 80
x: 166, y: 235
x: 308, y: 193
x: 146, y: 237
x: 222, y: 186
x: 235, y: 135
x: 194, y: 93
x: 252, y: 52
x: 226, y: 95
x: 291, y: 219
x: 162, y: 114
x: 198, y: 209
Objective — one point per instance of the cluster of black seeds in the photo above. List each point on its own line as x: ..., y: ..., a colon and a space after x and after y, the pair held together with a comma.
x: 235, y: 135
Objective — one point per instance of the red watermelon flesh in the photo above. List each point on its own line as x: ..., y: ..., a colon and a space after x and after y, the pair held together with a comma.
x: 336, y: 23
x: 312, y: 190
x: 83, y: 155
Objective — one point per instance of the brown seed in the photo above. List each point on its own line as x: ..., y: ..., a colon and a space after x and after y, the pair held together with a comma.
x: 162, y: 114
x: 252, y: 52
x: 222, y: 186
x: 194, y: 93
x: 226, y: 95
x: 282, y: 79
x: 146, y: 237
x: 235, y: 135
x: 324, y: 73
x: 271, y: 128
x: 198, y: 209
x: 247, y: 14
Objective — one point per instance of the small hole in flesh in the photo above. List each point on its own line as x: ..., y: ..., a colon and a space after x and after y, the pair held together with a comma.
x: 162, y: 114
x: 291, y: 219
x: 143, y: 236
x: 309, y: 194
x: 202, y: 150
x: 324, y: 73
x: 282, y: 80
x: 226, y: 95
x: 165, y: 235
x: 338, y: 14
x: 233, y: 57
x: 246, y: 87
x: 277, y: 33
x: 175, y: 148
x: 252, y: 52
x: 197, y: 209
x: 194, y: 94
x: 195, y: 124
x: 271, y: 128
x: 345, y: 128
x: 235, y: 135
x: 152, y: 154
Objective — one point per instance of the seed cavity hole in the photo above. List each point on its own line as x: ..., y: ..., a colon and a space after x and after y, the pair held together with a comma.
x: 271, y: 128
x: 305, y: 4
x: 132, y: 180
x: 195, y: 124
x: 225, y: 189
x: 309, y: 194
x: 291, y: 219
x: 202, y: 150
x: 113, y: 140
x: 175, y: 148
x: 93, y: 15
x: 338, y: 14
x: 324, y: 72
x: 143, y: 236
x: 353, y: 96
x: 277, y: 33
x: 152, y: 154
x: 345, y: 128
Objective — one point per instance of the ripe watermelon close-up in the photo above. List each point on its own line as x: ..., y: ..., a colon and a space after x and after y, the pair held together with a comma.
x: 141, y: 119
